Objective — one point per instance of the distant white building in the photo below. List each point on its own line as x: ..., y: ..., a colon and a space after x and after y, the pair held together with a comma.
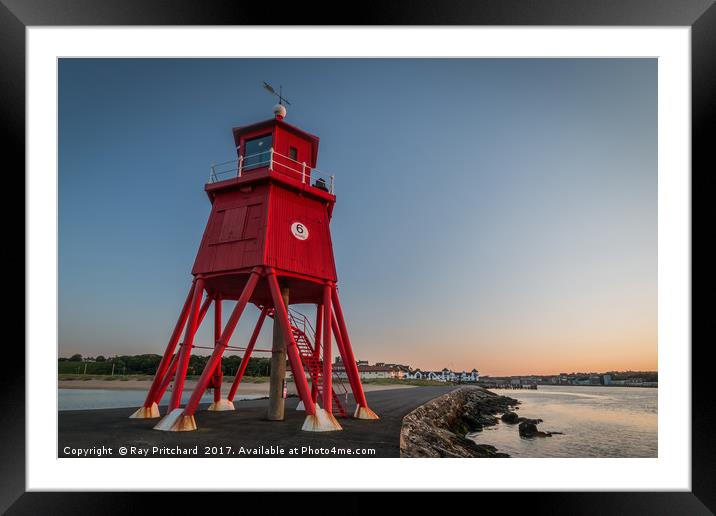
x: 375, y: 371
x: 471, y: 376
x: 416, y: 374
x: 366, y: 371
x: 403, y: 372
x: 445, y: 375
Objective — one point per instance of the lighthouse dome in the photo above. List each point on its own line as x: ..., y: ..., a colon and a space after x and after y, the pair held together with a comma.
x: 279, y: 110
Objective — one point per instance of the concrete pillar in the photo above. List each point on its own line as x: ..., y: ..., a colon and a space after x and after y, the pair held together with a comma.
x: 327, y: 394
x: 218, y: 375
x: 278, y: 367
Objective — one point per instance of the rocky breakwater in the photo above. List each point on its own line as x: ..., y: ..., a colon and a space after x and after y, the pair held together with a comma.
x: 438, y: 428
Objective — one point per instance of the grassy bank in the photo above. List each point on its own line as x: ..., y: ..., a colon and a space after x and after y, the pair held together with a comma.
x: 147, y: 378
x: 138, y: 365
x: 245, y: 379
x: 395, y: 381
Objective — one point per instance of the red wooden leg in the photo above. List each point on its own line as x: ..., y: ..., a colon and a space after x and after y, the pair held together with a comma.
x: 217, y: 335
x: 167, y: 378
x: 342, y: 352
x: 299, y: 375
x: 185, y: 351
x: 362, y: 410
x: 316, y: 420
x: 202, y: 311
x: 173, y: 365
x: 148, y: 410
x: 316, y: 351
x: 220, y: 347
x: 247, y: 354
x: 327, y: 396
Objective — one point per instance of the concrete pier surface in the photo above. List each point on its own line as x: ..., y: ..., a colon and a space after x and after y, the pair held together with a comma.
x: 244, y: 432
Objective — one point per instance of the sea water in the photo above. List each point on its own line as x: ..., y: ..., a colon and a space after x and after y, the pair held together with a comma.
x: 90, y: 399
x: 595, y: 421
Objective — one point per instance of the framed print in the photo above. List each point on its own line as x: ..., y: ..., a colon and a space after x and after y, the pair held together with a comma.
x: 427, y: 251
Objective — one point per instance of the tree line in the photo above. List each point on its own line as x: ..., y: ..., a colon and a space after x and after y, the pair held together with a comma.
x: 147, y: 364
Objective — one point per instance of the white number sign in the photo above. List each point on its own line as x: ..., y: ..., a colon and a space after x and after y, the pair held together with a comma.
x: 299, y: 230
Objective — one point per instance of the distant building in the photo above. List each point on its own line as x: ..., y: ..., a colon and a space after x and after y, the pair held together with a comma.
x: 444, y: 375
x: 367, y: 371
x: 472, y: 376
x: 404, y: 369
x: 607, y: 379
x: 379, y: 371
x: 416, y: 374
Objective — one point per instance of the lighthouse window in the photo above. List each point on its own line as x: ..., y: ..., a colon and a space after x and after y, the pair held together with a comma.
x: 257, y: 152
x: 293, y: 153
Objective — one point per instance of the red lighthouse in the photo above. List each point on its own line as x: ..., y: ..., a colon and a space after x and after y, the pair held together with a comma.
x: 267, y: 242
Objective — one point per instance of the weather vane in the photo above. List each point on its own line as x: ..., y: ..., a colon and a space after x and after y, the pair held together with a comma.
x: 281, y: 98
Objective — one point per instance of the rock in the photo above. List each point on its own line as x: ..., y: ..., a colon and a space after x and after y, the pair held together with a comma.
x: 510, y: 417
x: 487, y: 420
x: 438, y: 428
x: 528, y: 420
x: 528, y: 429
x: 472, y: 422
x: 487, y: 450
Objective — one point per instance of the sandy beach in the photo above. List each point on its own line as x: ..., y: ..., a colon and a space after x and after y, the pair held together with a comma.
x: 246, y: 388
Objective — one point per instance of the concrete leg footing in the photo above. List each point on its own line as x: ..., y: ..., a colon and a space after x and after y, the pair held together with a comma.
x: 221, y: 406
x: 146, y: 412
x: 176, y: 421
x: 321, y: 421
x: 364, y: 413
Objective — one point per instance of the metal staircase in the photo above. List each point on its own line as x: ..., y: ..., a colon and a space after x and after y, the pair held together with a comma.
x: 312, y: 359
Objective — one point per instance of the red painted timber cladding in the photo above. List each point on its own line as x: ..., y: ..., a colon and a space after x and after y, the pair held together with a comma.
x: 235, y: 235
x: 283, y: 141
x: 238, y: 236
x: 313, y: 256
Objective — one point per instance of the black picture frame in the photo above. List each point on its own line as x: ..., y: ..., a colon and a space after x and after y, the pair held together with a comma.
x: 700, y: 15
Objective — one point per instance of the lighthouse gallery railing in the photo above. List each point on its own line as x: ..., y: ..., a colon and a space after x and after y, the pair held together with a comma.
x: 274, y: 161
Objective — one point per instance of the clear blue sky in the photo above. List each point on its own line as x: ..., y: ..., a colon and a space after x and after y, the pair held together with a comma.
x: 492, y: 213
